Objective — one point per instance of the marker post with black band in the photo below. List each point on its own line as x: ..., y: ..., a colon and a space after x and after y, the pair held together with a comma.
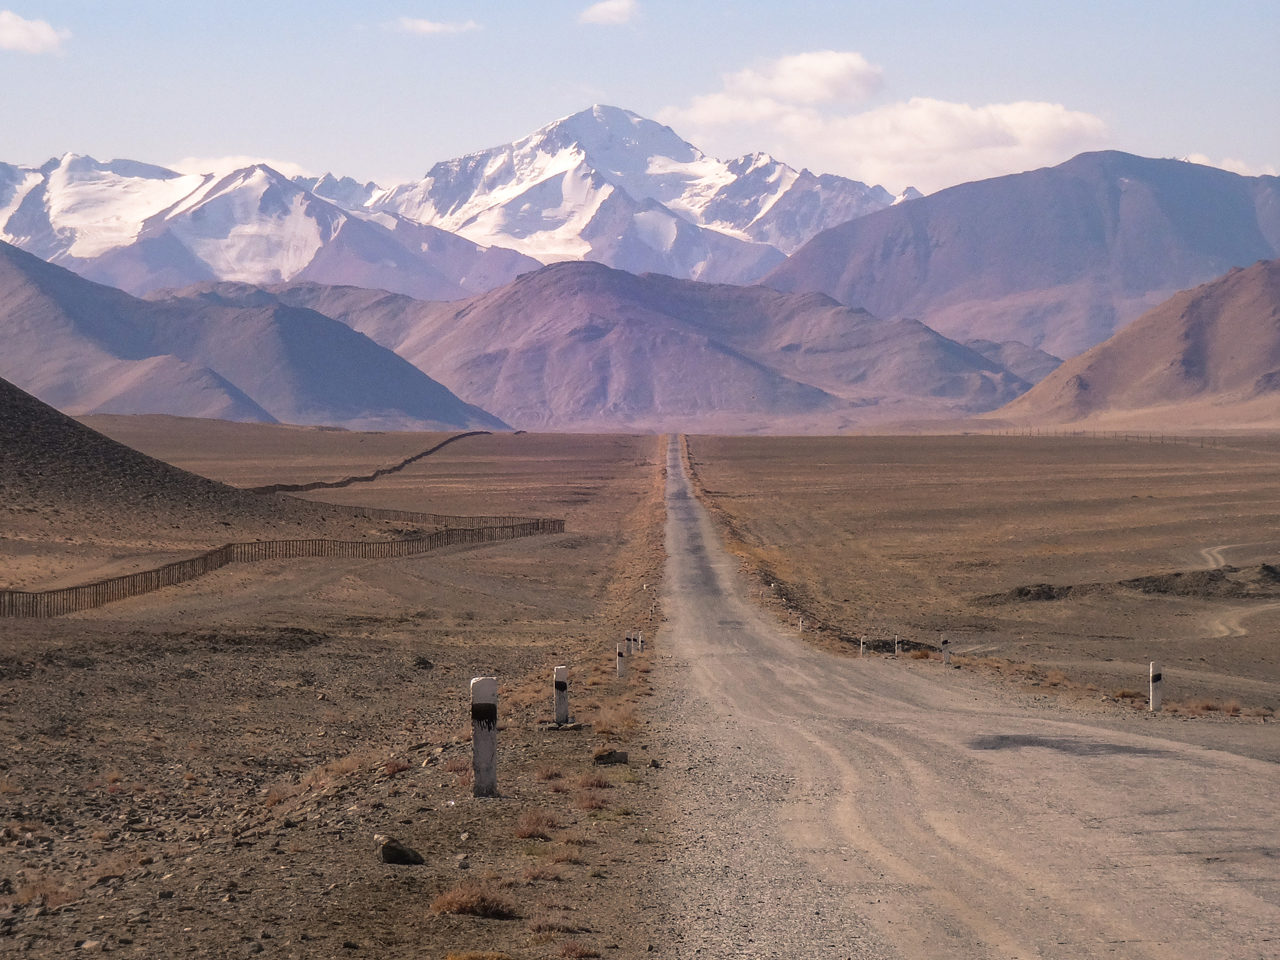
x: 484, y: 736
x: 560, y: 679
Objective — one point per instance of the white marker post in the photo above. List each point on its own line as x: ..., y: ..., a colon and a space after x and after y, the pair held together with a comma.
x: 484, y: 735
x: 946, y: 652
x: 897, y: 645
x: 622, y: 660
x: 1157, y: 678
x: 801, y: 628
x: 560, y: 680
x: 627, y: 643
x: 862, y: 645
x: 640, y: 641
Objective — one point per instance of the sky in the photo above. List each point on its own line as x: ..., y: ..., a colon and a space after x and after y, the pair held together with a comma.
x: 912, y: 92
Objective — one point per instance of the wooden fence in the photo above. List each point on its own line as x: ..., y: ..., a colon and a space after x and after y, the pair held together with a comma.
x: 52, y: 603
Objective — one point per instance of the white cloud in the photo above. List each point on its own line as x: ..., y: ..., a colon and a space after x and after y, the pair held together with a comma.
x: 609, y: 11
x: 1241, y: 167
x: 816, y: 77
x: 29, y: 36
x: 220, y: 166
x: 434, y: 27
x: 810, y: 110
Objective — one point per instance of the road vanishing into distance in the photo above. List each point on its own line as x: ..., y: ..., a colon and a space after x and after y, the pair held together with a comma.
x: 831, y: 807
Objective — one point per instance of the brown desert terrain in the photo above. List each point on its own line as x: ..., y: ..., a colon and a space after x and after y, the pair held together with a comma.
x: 1088, y: 558
x: 201, y: 771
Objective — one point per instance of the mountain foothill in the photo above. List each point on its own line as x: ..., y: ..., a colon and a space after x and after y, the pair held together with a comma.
x: 603, y: 274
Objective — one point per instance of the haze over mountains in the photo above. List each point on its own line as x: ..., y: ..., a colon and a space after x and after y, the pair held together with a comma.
x: 1058, y: 258
x: 1205, y: 357
x: 886, y: 308
x: 582, y: 346
x: 88, y: 348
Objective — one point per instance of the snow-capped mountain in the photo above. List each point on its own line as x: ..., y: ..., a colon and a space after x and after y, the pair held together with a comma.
x: 608, y: 185
x: 604, y: 185
x: 141, y: 228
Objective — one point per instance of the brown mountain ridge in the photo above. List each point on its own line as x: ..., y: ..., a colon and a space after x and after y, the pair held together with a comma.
x: 1208, y: 357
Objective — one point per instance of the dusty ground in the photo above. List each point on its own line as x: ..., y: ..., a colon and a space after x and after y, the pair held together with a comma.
x: 925, y: 536
x: 201, y: 771
x: 885, y: 808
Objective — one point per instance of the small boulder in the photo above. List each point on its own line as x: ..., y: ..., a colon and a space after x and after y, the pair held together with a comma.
x: 391, y: 850
x: 606, y: 756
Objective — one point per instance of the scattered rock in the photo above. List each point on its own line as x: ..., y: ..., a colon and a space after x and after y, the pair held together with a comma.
x: 606, y: 756
x: 391, y: 850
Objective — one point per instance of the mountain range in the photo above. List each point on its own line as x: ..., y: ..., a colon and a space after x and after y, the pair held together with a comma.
x: 603, y: 184
x: 1058, y: 258
x: 600, y: 273
x: 1205, y: 357
x: 88, y: 348
x: 582, y: 346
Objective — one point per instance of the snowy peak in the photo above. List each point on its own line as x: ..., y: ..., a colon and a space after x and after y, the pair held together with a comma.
x: 606, y: 184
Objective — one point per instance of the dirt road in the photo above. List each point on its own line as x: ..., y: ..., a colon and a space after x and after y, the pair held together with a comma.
x: 844, y: 807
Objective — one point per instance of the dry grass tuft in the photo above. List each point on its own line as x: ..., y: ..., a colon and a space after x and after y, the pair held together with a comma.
x: 548, y: 771
x: 535, y: 825
x: 479, y: 955
x: 1232, y: 708
x: 594, y: 781
x: 616, y: 721
x: 590, y: 800
x: 919, y: 654
x: 457, y: 764
x: 473, y: 899
x: 572, y: 948
x: 1126, y: 694
x: 393, y: 766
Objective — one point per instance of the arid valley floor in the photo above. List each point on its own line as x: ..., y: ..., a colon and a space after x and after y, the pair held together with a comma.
x: 201, y: 771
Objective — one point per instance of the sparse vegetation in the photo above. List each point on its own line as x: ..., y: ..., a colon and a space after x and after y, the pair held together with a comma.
x: 535, y: 825
x: 473, y: 898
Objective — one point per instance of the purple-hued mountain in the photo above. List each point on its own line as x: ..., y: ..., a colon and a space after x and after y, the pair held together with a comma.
x: 88, y: 348
x: 581, y: 346
x: 1058, y: 258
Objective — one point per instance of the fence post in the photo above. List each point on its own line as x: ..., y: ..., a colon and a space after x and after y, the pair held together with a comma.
x: 1157, y: 679
x: 484, y: 735
x: 560, y: 680
x: 622, y: 660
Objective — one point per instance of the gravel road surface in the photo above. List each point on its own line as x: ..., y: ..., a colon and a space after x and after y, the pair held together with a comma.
x: 845, y: 807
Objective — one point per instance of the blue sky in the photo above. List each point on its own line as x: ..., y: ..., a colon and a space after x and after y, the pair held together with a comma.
x: 914, y: 92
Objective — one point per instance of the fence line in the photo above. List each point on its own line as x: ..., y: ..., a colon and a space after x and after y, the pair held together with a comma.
x: 364, y: 478
x: 1204, y: 441
x: 52, y: 603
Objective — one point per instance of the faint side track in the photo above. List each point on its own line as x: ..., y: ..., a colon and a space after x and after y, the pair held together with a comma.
x: 368, y: 477
x: 53, y: 603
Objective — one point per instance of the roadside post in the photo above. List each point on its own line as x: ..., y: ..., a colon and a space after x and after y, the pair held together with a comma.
x: 1157, y: 680
x: 897, y: 645
x: 946, y: 650
x: 560, y: 681
x: 622, y: 660
x: 862, y: 645
x: 484, y: 736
